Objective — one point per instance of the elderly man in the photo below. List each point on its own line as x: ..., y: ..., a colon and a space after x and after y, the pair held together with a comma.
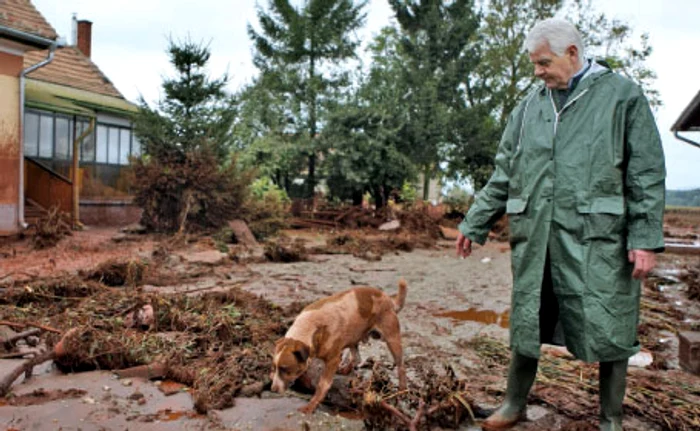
x: 580, y: 173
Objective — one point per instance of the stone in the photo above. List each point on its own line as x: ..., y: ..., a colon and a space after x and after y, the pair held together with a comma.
x: 208, y: 257
x: 641, y: 359
x: 134, y: 228
x: 390, y: 225
x: 689, y: 351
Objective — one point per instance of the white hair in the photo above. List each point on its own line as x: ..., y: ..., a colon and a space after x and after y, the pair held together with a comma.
x: 558, y: 33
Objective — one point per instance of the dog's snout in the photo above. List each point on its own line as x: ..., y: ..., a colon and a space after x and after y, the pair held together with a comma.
x: 278, y: 385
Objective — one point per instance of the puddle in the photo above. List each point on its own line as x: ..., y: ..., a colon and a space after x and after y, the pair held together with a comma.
x: 488, y: 317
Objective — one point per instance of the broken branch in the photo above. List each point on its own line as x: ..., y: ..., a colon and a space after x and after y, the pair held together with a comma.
x: 33, y: 325
x: 25, y: 368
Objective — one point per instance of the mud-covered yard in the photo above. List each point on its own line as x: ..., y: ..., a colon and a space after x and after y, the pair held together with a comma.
x: 199, y: 357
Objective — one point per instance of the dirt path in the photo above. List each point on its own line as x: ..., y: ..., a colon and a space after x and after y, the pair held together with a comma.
x: 449, y: 302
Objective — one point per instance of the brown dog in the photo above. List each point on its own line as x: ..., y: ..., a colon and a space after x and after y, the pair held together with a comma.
x: 328, y: 326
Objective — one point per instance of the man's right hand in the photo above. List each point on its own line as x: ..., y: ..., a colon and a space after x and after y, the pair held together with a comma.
x: 464, y: 246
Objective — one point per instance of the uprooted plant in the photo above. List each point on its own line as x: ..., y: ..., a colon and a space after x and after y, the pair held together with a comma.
x: 50, y: 229
x: 186, y: 180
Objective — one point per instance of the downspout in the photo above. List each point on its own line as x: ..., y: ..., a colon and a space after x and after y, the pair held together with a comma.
x: 22, y: 75
x: 686, y: 140
x: 76, y: 166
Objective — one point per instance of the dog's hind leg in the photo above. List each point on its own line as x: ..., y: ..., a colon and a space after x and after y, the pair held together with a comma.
x: 391, y: 332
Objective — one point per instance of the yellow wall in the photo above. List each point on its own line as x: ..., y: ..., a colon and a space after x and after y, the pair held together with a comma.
x: 10, y: 68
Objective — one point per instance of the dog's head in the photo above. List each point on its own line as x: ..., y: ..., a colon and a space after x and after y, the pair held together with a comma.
x: 291, y: 360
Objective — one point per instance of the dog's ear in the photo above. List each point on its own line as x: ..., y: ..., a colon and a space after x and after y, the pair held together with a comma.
x: 320, y: 338
x: 302, y: 353
x: 278, y: 342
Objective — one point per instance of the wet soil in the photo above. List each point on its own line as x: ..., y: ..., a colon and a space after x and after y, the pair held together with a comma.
x: 450, y: 303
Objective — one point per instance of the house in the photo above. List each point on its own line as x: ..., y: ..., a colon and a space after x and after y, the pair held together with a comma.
x: 65, y: 130
x: 689, y: 121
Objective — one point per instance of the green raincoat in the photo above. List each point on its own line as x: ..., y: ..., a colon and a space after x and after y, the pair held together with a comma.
x: 585, y: 184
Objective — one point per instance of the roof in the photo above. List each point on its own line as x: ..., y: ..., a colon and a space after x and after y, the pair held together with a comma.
x: 71, y: 68
x: 23, y: 16
x: 70, y: 100
x: 689, y: 119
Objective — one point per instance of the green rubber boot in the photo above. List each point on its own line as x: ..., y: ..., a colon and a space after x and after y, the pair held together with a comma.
x: 613, y: 381
x: 521, y: 376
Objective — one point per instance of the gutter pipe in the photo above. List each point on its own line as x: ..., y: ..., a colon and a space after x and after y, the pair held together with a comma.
x: 686, y: 140
x: 52, y: 45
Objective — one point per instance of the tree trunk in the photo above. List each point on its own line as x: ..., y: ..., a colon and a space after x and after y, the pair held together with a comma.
x: 379, y: 198
x: 426, y: 183
x: 357, y: 198
x: 311, y: 179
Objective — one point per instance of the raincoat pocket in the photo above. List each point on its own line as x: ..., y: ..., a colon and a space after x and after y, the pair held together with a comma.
x: 604, y: 217
x: 517, y: 220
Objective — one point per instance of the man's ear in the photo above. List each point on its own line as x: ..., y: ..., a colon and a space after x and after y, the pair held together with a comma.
x: 302, y: 353
x: 572, y: 51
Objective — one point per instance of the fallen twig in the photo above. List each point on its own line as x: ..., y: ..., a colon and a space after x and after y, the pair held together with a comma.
x: 13, y: 355
x: 355, y: 269
x: 413, y: 425
x: 396, y: 412
x: 156, y: 370
x: 25, y: 368
x: 33, y: 325
x: 18, y: 336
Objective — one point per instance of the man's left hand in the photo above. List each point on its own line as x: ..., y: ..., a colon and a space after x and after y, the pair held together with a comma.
x: 644, y: 261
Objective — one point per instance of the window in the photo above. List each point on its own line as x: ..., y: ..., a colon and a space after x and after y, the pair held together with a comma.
x: 31, y: 134
x: 46, y: 137
x: 102, y: 143
x: 124, y: 146
x: 50, y: 135
x: 113, y: 145
x: 64, y: 144
x: 135, y: 147
x: 87, y: 150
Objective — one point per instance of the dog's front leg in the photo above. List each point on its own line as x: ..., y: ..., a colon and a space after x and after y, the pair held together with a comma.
x: 324, y: 384
x: 350, y: 362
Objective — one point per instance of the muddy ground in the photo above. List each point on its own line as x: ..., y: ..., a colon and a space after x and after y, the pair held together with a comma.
x: 451, y: 305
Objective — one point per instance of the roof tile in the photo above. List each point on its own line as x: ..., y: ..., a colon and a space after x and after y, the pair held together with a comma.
x: 23, y: 16
x: 71, y: 68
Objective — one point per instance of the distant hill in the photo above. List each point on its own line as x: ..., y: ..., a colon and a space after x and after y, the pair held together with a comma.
x: 683, y: 198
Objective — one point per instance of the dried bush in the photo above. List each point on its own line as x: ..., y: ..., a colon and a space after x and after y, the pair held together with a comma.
x: 50, y: 229
x: 189, y: 192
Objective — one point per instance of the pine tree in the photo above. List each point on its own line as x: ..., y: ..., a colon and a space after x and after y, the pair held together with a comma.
x: 196, y: 113
x: 437, y: 43
x: 298, y: 51
x: 186, y: 178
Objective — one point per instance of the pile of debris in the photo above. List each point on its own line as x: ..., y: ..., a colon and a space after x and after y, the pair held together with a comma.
x: 51, y: 228
x: 216, y: 343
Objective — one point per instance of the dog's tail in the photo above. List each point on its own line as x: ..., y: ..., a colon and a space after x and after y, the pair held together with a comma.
x: 400, y: 298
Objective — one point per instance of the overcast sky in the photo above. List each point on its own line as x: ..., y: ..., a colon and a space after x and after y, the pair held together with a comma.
x: 130, y: 36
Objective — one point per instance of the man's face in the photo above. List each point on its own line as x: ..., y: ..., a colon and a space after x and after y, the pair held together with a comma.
x: 555, y: 70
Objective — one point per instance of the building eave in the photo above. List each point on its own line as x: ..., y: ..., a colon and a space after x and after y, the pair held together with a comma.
x: 689, y: 120
x: 29, y: 40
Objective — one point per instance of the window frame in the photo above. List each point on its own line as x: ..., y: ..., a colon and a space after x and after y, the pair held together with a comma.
x: 73, y: 124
